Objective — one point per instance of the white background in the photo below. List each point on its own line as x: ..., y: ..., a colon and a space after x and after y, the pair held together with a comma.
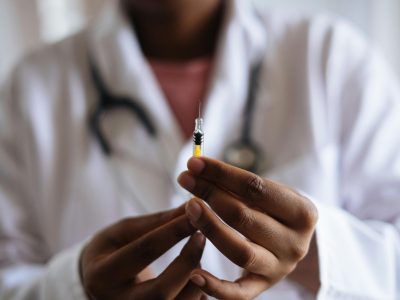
x: 26, y: 24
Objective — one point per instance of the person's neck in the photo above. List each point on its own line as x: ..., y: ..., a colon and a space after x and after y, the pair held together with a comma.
x: 183, y: 32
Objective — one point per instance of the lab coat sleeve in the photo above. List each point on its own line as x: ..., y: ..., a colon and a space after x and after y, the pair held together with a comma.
x: 26, y: 270
x: 359, y: 241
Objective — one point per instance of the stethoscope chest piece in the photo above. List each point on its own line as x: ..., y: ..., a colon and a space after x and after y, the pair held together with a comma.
x: 244, y: 155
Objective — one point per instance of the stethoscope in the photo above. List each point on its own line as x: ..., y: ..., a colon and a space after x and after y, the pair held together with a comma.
x: 243, y: 153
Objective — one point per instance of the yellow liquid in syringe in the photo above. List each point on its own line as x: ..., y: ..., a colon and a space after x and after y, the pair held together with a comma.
x: 197, y: 151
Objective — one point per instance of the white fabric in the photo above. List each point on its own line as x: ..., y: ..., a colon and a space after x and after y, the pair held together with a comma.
x: 327, y: 117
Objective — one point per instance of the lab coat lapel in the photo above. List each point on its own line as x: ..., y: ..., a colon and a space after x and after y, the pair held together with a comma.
x: 116, y: 51
x: 241, y: 46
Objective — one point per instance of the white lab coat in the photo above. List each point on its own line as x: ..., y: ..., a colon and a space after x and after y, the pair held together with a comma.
x: 327, y: 118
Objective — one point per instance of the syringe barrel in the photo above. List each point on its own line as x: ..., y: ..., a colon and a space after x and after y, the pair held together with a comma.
x: 198, y: 138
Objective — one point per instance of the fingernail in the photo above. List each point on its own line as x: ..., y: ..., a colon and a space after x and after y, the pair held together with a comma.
x: 196, y: 165
x: 199, y: 240
x: 193, y: 210
x: 198, y: 280
x: 187, y: 181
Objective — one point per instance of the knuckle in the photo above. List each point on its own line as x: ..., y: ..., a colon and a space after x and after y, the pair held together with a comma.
x: 247, y: 258
x: 298, y: 251
x: 255, y: 186
x: 308, y: 215
x: 244, y: 218
x: 243, y: 293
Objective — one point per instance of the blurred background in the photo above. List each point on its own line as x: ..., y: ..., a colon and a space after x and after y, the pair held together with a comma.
x: 27, y: 24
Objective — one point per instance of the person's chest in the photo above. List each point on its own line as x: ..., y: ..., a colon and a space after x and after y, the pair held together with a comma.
x: 82, y: 190
x: 79, y: 189
x: 85, y: 190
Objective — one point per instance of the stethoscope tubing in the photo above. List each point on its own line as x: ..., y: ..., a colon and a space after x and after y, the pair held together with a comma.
x: 108, y: 102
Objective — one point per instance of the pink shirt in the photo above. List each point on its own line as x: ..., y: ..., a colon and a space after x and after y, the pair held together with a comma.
x: 184, y: 84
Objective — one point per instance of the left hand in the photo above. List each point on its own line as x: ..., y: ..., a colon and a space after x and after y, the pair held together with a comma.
x: 277, y: 223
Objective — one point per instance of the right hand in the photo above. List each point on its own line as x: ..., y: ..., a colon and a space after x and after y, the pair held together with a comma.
x: 111, y: 263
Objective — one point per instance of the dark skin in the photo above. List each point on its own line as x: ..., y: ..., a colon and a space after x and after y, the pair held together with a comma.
x: 277, y: 222
x: 113, y: 265
x: 176, y: 30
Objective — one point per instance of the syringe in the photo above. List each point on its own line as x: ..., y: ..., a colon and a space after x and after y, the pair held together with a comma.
x: 198, y: 136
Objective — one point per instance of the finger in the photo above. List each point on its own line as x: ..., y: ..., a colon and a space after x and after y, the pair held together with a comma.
x: 134, y: 257
x: 244, y: 253
x: 130, y: 229
x: 176, y: 276
x: 281, y: 202
x: 191, y: 291
x: 183, y: 265
x: 259, y: 227
x: 247, y: 287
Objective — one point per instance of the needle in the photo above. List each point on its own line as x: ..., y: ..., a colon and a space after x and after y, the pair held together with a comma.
x: 200, y: 110
x: 198, y: 135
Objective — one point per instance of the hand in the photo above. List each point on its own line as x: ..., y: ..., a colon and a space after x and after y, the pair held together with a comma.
x: 277, y: 224
x: 112, y: 261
